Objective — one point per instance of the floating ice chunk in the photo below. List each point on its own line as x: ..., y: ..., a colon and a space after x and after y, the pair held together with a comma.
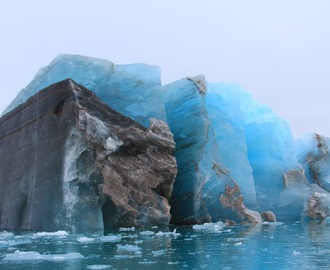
x: 148, y: 233
x: 85, y: 239
x: 35, y: 256
x: 158, y: 253
x: 168, y: 234
x: 129, y: 248
x: 147, y: 262
x: 211, y: 227
x: 51, y: 234
x: 130, y: 229
x: 5, y: 234
x: 110, y: 238
x: 99, y: 267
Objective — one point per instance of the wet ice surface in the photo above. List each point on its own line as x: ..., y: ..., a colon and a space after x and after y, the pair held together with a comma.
x: 210, y: 246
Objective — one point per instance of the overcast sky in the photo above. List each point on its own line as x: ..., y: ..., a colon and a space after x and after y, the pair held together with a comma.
x: 279, y: 50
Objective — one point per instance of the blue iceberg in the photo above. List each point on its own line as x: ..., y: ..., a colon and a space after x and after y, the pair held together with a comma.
x: 236, y: 158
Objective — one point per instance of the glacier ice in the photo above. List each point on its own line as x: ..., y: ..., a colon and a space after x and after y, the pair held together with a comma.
x: 133, y: 90
x: 313, y: 153
x: 236, y: 158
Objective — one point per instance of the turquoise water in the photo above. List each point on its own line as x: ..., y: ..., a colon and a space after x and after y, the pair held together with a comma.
x: 212, y: 246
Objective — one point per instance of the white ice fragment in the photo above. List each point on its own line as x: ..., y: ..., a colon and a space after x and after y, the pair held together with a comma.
x: 129, y: 229
x: 147, y: 262
x: 211, y: 227
x: 266, y: 223
x: 85, y: 239
x: 188, y: 239
x: 158, y: 253
x: 296, y: 253
x: 98, y: 267
x: 6, y: 234
x: 126, y: 256
x: 168, y: 234
x: 238, y: 244
x: 51, y: 234
x: 33, y: 255
x: 129, y: 248
x: 147, y: 233
x: 110, y: 238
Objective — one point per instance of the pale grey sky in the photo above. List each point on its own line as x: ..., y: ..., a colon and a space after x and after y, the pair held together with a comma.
x: 279, y: 50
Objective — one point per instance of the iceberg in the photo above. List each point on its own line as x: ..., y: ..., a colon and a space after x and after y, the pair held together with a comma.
x: 235, y: 159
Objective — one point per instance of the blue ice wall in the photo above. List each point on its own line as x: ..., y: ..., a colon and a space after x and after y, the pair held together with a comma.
x: 252, y: 145
x: 201, y: 175
x: 227, y: 122
x: 270, y: 148
x: 133, y: 90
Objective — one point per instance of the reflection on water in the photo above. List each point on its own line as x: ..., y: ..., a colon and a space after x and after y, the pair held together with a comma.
x: 213, y: 246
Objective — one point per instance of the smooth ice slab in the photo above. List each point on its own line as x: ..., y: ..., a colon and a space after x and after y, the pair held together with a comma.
x: 133, y: 90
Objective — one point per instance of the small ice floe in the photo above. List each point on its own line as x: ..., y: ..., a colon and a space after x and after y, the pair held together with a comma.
x: 85, y: 239
x: 36, y: 256
x: 158, y: 253
x: 110, y: 238
x: 210, y: 227
x: 5, y: 234
x: 99, y: 267
x: 238, y: 244
x: 168, y: 234
x: 147, y: 233
x: 51, y: 234
x: 295, y: 253
x: 147, y: 262
x: 173, y: 263
x: 130, y: 229
x: 129, y: 249
x: 266, y: 223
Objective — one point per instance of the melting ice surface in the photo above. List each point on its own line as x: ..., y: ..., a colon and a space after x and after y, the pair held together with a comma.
x: 206, y: 246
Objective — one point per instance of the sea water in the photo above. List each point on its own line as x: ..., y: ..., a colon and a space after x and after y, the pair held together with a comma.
x: 209, y: 246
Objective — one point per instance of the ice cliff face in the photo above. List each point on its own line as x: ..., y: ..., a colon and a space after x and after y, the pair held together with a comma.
x: 236, y: 158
